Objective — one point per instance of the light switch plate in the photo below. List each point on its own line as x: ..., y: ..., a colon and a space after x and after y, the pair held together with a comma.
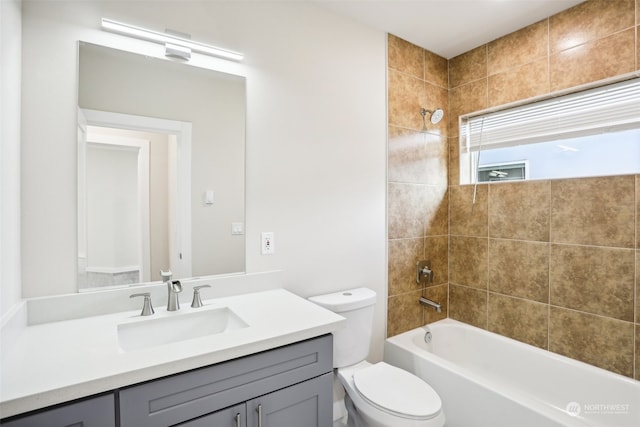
x: 237, y: 228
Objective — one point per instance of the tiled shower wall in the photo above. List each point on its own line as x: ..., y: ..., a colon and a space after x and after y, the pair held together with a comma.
x: 417, y: 183
x: 552, y: 263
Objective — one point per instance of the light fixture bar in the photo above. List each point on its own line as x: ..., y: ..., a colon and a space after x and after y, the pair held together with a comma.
x: 154, y: 36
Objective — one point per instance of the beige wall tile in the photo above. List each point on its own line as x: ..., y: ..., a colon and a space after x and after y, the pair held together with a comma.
x: 405, y: 57
x: 406, y: 155
x: 520, y: 319
x: 468, y: 261
x: 436, y: 97
x: 436, y: 210
x: 437, y: 160
x: 638, y: 290
x: 436, y: 69
x: 600, y: 341
x: 454, y: 161
x: 519, y: 48
x: 468, y: 67
x: 466, y: 99
x: 594, y: 279
x: 519, y: 269
x: 589, y: 21
x: 405, y: 97
x: 403, y: 256
x: 520, y: 210
x: 468, y: 305
x: 524, y: 82
x: 438, y: 294
x: 467, y: 218
x: 436, y: 250
x: 406, y: 206
x: 593, y: 61
x: 404, y: 313
x: 417, y: 157
x: 593, y: 211
x: 638, y: 211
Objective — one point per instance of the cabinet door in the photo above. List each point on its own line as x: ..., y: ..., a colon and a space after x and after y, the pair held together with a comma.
x: 235, y: 416
x: 308, y: 404
x: 94, y: 412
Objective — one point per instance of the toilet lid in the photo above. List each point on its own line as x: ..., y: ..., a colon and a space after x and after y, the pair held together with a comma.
x: 397, y: 391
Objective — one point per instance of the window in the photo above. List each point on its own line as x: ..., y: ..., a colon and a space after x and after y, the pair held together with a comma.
x: 590, y: 133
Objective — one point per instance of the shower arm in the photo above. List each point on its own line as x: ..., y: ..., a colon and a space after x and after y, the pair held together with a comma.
x: 435, y: 116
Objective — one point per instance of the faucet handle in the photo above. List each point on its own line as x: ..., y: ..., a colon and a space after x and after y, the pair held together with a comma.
x: 423, y: 272
x: 197, y: 302
x: 166, y: 275
x: 147, y: 308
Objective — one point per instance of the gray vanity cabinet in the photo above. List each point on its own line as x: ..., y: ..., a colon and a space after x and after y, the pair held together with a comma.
x: 94, y: 412
x: 306, y: 404
x: 289, y: 386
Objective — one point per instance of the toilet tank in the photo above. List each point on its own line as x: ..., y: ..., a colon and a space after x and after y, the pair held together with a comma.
x: 351, y: 342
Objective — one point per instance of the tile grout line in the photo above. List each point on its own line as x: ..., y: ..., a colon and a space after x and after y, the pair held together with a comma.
x: 549, y: 272
x: 488, y: 231
x: 634, y: 344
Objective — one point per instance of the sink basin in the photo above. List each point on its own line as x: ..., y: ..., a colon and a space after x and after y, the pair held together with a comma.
x: 177, y: 327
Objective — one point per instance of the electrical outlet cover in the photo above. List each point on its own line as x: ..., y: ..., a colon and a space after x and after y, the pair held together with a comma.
x: 267, y: 245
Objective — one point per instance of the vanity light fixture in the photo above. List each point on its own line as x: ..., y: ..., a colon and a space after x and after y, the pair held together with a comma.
x: 178, y: 44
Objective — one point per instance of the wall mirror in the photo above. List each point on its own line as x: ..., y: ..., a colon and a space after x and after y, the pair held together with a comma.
x: 161, y: 169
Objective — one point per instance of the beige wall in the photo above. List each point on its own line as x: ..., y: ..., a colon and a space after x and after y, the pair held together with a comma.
x: 315, y: 166
x: 553, y: 263
x: 10, y: 54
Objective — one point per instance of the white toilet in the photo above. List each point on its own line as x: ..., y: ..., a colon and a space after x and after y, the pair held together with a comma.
x: 377, y: 395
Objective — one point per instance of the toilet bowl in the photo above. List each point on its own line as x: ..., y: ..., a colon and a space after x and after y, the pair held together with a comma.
x: 376, y: 395
x: 385, y: 396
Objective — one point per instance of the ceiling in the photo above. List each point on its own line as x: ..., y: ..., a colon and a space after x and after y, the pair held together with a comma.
x: 448, y: 27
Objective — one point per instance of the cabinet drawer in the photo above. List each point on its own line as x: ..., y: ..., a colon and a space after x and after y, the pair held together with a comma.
x: 188, y: 395
x: 94, y: 412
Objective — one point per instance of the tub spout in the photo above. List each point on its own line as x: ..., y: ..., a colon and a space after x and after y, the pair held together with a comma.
x: 436, y: 305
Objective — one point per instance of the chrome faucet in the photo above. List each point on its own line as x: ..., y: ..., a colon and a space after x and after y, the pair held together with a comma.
x: 436, y: 305
x: 174, y: 287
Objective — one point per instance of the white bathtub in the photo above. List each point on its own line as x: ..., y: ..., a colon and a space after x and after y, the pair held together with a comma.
x: 487, y: 380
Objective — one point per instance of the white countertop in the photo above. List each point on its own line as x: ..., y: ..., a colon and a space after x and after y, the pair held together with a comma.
x: 55, y: 362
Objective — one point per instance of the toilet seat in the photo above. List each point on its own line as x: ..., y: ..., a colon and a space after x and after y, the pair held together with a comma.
x: 396, y: 391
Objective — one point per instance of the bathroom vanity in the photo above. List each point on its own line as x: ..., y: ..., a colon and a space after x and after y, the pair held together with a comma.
x: 286, y: 386
x: 278, y: 375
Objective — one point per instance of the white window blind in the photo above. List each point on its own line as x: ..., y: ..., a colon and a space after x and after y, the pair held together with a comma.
x: 607, y: 108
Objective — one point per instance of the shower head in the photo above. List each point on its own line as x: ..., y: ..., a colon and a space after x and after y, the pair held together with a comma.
x: 436, y: 115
